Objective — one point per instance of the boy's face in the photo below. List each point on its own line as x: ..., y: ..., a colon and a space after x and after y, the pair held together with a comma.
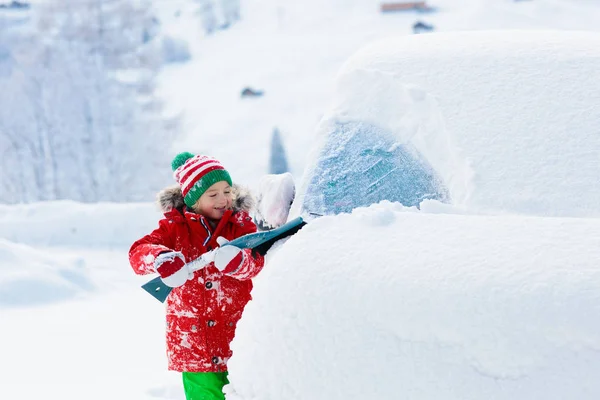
x: 213, y: 203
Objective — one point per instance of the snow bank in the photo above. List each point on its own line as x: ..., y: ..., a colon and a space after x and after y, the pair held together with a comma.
x: 32, y: 277
x: 509, y: 120
x: 389, y: 304
x: 63, y: 250
x: 74, y: 224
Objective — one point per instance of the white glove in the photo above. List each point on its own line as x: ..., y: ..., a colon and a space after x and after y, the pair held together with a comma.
x: 228, y: 258
x: 172, y: 268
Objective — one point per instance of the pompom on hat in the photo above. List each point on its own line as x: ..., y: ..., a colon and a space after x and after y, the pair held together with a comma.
x: 196, y: 173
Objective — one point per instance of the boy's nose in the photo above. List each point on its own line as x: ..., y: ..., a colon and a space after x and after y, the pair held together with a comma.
x: 222, y: 199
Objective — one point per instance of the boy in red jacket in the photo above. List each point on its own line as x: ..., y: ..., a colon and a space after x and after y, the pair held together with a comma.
x: 205, y: 305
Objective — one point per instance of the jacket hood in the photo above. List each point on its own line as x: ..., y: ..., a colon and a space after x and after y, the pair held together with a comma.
x: 171, y: 198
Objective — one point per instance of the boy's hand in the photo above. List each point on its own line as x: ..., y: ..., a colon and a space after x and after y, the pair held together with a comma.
x: 228, y: 258
x: 172, y: 268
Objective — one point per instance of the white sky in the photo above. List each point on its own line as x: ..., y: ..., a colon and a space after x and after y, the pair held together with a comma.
x: 387, y: 302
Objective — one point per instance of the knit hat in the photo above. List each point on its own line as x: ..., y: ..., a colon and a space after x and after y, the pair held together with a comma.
x: 195, y: 174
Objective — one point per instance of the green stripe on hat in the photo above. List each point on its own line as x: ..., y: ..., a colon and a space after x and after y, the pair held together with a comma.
x: 204, y: 183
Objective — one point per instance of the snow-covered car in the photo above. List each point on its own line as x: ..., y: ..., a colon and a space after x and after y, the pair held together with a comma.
x: 476, y: 274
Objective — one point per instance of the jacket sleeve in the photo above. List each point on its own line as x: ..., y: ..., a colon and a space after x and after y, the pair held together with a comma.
x: 252, y: 262
x: 143, y: 252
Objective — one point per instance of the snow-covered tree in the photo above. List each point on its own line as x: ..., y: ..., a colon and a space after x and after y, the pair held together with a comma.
x: 218, y: 14
x: 82, y: 100
x: 278, y: 162
x: 231, y: 11
x: 207, y: 11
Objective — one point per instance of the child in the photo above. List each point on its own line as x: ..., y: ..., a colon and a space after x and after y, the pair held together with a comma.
x: 205, y: 305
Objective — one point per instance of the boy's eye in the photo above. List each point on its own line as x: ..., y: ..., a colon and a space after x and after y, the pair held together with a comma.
x: 212, y: 195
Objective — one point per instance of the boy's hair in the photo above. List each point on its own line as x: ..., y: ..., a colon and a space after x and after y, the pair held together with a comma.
x: 196, y: 173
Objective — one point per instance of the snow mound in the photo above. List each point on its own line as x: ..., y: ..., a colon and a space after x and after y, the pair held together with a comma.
x: 502, y: 311
x: 74, y: 224
x: 31, y: 277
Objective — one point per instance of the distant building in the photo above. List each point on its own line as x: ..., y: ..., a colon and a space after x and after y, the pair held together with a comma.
x: 405, y: 6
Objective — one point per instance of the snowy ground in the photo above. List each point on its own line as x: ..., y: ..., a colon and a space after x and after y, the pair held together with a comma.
x: 96, y: 334
x: 506, y: 307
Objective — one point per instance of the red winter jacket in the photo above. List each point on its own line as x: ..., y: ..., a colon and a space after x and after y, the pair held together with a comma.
x: 203, y: 313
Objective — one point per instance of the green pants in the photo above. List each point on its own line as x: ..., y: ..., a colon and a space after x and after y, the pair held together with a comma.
x: 204, y: 385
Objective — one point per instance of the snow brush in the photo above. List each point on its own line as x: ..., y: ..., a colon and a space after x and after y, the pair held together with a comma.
x: 260, y: 242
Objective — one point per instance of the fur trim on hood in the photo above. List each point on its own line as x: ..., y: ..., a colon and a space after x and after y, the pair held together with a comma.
x: 171, y: 198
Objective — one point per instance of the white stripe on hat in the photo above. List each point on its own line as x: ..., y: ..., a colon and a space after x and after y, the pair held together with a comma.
x: 191, y: 180
x: 181, y: 171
